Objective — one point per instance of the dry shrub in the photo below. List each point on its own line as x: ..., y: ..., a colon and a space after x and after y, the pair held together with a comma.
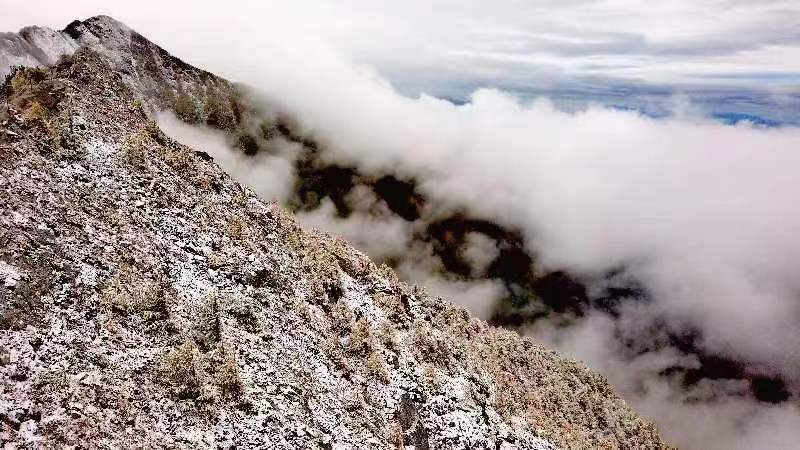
x: 333, y: 349
x: 360, y: 341
x: 135, y: 148
x: 132, y: 292
x: 182, y: 161
x: 218, y: 112
x: 376, y: 364
x: 430, y: 347
x: 208, y: 326
x: 237, y: 228
x: 205, y: 376
x: 182, y: 368
x: 27, y: 78
x: 35, y: 111
x: 228, y: 378
x: 185, y: 107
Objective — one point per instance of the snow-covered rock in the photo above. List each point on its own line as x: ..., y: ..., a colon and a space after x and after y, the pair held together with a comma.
x: 149, y: 301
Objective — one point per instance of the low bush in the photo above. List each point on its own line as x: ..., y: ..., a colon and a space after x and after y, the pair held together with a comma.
x: 218, y: 113
x: 182, y: 369
x: 185, y: 107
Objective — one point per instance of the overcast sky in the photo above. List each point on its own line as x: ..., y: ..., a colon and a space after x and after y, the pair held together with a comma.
x: 454, y: 47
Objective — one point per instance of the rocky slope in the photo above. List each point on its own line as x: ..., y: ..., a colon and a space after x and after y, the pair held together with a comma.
x: 149, y: 301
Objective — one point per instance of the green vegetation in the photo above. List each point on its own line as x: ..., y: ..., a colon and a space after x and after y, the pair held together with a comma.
x: 35, y: 111
x: 25, y: 78
x: 186, y: 108
x: 218, y: 112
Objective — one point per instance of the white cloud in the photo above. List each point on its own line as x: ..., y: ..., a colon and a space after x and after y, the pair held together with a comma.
x: 272, y: 177
x: 480, y: 251
x: 381, y: 237
x: 712, y: 415
x: 422, y: 267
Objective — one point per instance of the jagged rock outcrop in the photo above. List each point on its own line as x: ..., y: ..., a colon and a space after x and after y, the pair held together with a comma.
x: 149, y: 301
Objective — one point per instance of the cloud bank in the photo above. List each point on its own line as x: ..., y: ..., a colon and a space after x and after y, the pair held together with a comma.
x: 702, y: 214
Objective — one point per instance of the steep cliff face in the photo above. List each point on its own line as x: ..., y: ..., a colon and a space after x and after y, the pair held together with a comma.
x: 149, y: 301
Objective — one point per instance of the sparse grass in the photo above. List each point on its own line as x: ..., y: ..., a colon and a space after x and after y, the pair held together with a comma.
x: 341, y: 317
x: 387, y: 273
x: 35, y: 111
x: 240, y: 198
x: 332, y: 347
x: 539, y: 387
x: 376, y: 365
x: 217, y: 260
x: 113, y: 217
x: 55, y: 379
x: 392, y: 305
x: 388, y: 336
x: 430, y: 376
x: 237, y: 228
x: 132, y: 292
x: 135, y: 148
x: 5, y: 357
x: 228, y: 378
x: 182, y: 368
x: 394, y: 433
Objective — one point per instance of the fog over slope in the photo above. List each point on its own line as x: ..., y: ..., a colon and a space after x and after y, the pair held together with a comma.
x: 699, y: 216
x: 703, y: 215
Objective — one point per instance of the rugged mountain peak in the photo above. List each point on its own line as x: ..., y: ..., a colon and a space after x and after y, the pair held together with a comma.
x: 148, y: 300
x: 147, y: 69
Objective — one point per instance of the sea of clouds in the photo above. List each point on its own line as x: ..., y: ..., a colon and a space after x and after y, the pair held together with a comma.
x: 704, y: 215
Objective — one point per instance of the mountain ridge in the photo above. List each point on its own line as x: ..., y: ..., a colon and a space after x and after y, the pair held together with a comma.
x: 149, y: 300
